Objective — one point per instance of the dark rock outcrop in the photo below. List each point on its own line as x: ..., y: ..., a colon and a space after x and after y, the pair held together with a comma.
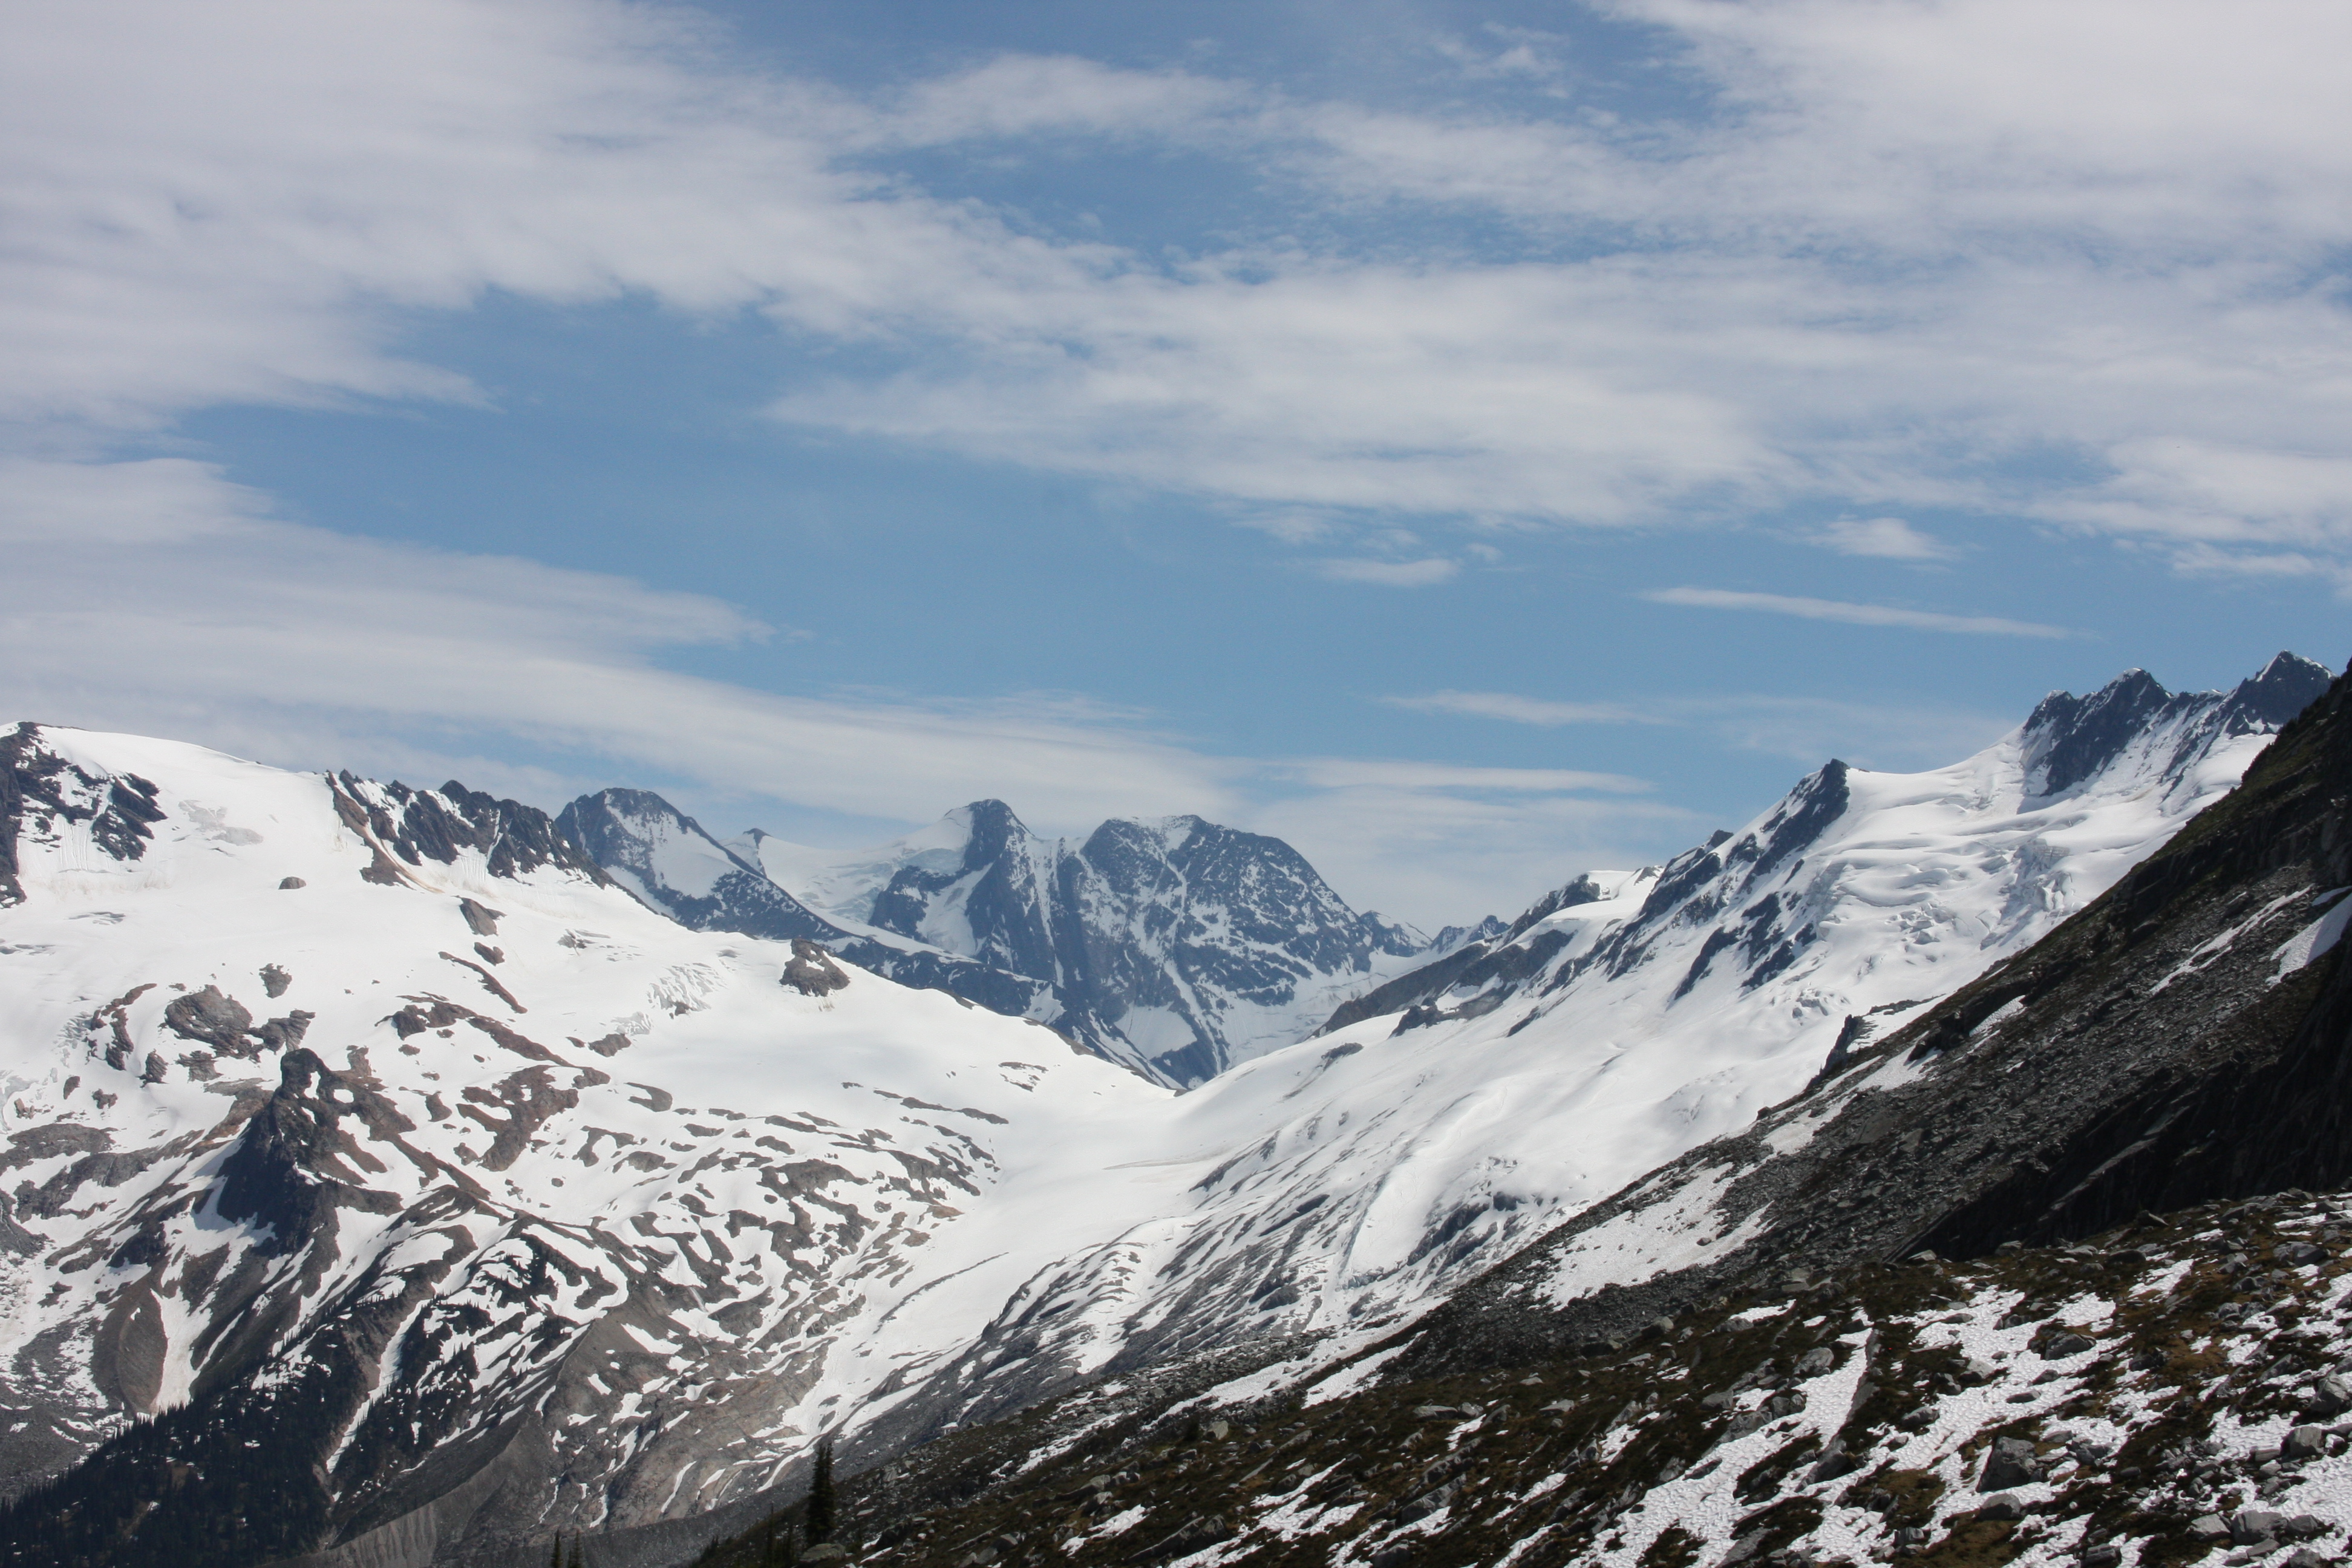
x: 39, y: 789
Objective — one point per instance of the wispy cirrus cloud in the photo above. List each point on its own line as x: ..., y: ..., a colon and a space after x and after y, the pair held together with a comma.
x: 1853, y: 615
x: 1886, y: 538
x: 1515, y: 709
x: 1423, y: 574
x: 1349, y: 772
x: 1805, y: 728
x: 158, y: 596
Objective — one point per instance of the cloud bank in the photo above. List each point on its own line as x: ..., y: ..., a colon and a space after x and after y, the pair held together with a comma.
x: 2077, y: 265
x: 1904, y: 247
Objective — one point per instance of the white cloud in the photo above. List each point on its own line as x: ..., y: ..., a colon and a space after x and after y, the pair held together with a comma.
x: 1389, y: 573
x: 1888, y: 538
x: 156, y: 596
x: 1025, y: 95
x: 1344, y: 773
x: 1917, y: 242
x: 1433, y: 845
x: 1853, y: 614
x: 1907, y: 737
x: 1516, y: 710
x: 2202, y: 560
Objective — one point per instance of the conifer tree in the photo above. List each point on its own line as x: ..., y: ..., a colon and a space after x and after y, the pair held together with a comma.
x: 820, y: 1498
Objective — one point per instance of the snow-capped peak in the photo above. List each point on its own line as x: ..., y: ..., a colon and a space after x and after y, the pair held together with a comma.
x: 1173, y: 943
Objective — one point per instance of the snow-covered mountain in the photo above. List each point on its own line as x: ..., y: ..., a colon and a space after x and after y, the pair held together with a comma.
x: 446, y: 1190
x: 462, y: 1195
x: 1172, y: 944
x: 1353, y: 1179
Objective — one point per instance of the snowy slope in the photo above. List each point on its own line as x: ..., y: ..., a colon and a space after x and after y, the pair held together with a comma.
x: 458, y: 1176
x: 1173, y: 943
x: 1351, y: 1179
x: 385, y: 1123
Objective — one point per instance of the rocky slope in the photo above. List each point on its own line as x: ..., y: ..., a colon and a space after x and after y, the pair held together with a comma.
x: 1174, y: 944
x: 2156, y: 1395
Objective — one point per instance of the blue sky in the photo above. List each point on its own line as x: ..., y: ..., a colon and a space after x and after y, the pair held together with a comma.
x: 1474, y: 442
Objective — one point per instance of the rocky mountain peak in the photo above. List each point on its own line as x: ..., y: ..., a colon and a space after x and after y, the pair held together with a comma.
x: 2069, y: 741
x: 667, y: 861
x: 2285, y: 688
x: 993, y: 830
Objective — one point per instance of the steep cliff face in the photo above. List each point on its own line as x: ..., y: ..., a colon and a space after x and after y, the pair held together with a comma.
x: 1195, y: 945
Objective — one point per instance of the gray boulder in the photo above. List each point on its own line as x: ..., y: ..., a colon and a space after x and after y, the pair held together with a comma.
x: 2249, y: 1525
x: 2012, y: 1463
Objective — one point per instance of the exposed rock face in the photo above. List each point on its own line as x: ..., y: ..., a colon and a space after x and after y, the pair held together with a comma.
x: 294, y: 1164
x: 812, y: 971
x: 1175, y: 945
x: 41, y: 792
x: 2071, y: 739
x: 667, y: 860
x: 417, y: 826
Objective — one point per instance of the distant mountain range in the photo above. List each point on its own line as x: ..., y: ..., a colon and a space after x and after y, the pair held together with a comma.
x: 1174, y: 944
x: 437, y: 1174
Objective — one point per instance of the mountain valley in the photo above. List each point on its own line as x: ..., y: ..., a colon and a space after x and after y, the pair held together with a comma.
x: 423, y: 1175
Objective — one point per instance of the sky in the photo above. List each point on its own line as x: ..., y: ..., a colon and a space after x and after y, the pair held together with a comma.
x: 1473, y: 442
